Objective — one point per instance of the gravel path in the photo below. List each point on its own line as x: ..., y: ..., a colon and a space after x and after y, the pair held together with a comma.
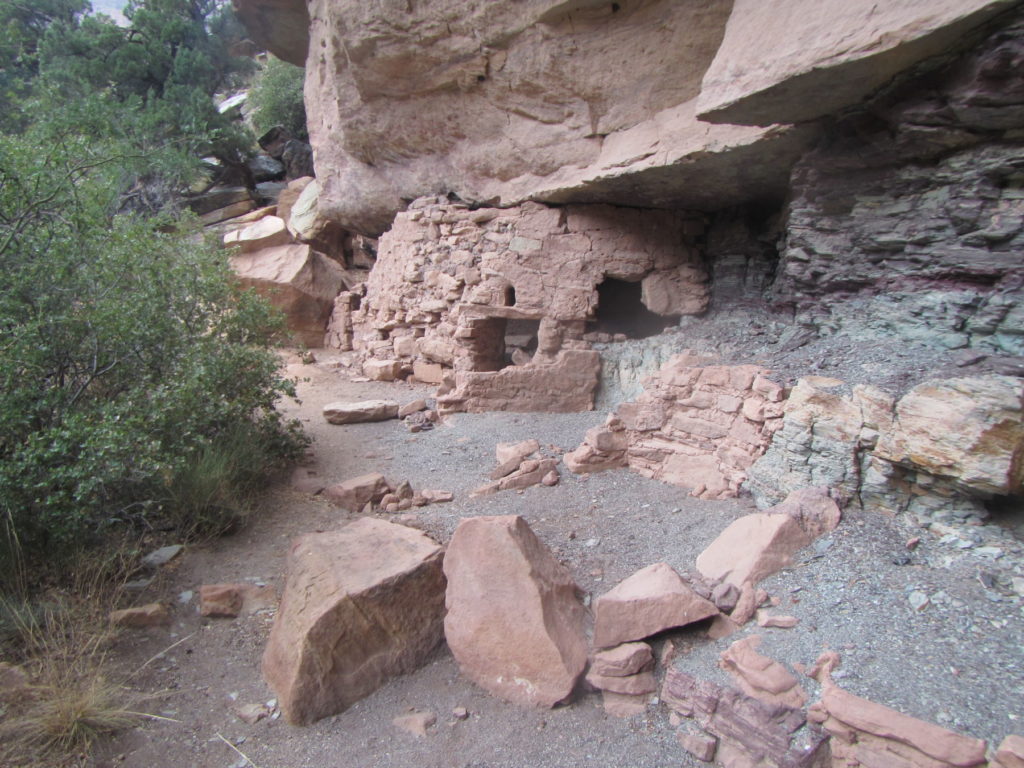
x: 958, y: 661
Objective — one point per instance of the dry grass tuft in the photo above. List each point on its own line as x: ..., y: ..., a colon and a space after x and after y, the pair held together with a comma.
x: 73, y: 700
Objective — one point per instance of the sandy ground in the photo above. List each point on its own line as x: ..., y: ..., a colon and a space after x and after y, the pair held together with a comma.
x: 958, y: 662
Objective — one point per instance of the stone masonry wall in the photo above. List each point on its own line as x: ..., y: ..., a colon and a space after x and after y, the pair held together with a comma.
x: 452, y: 284
x: 697, y: 425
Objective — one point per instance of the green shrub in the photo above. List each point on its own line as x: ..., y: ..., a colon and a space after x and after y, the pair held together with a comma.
x: 276, y: 99
x: 128, y: 357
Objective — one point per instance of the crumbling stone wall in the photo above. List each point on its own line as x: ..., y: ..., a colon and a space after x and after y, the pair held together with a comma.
x: 451, y: 285
x: 697, y: 425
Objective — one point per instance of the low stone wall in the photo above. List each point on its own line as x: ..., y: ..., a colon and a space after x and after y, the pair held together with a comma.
x: 697, y: 425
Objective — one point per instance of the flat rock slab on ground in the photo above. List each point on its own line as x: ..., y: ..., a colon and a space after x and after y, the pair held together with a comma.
x: 651, y: 600
x: 366, y: 410
x: 360, y: 605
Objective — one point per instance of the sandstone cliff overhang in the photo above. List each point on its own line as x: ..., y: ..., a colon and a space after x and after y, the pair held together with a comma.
x: 790, y: 61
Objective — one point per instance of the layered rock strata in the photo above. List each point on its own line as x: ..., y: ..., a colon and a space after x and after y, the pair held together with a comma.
x: 939, y: 452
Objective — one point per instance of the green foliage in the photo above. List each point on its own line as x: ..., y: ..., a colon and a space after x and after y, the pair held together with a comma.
x: 276, y: 98
x: 132, y: 370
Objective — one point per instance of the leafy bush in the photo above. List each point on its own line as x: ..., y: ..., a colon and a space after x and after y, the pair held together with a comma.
x: 128, y: 355
x: 276, y: 98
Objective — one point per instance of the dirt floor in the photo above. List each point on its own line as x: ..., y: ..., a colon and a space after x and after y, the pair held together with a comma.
x: 958, y: 661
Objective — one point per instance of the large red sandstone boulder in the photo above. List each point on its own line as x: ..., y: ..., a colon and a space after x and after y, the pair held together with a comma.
x: 651, y: 600
x: 297, y: 280
x: 514, y: 622
x: 360, y: 605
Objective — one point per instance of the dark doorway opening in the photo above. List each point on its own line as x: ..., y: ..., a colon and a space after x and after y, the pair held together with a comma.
x: 620, y: 310
x: 1007, y: 512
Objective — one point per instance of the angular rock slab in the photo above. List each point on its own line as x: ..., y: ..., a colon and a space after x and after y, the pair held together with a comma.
x: 752, y: 548
x: 361, y: 605
x: 514, y: 622
x: 651, y: 600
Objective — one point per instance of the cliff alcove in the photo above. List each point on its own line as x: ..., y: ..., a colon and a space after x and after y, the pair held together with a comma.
x: 778, y: 247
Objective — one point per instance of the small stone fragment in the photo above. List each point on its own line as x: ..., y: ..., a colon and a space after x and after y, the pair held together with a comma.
x: 220, y: 600
x: 918, y: 600
x: 550, y: 479
x: 250, y: 713
x: 634, y: 685
x: 415, y: 723
x: 149, y: 615
x: 515, y: 451
x: 766, y: 619
x: 162, y: 556
x: 356, y: 493
x: 622, y: 660
x: 725, y: 596
x: 460, y: 713
x: 412, y: 407
x: 434, y: 496
x: 701, y: 746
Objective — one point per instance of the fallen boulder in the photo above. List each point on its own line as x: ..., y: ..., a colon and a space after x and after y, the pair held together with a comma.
x: 514, y: 622
x: 297, y: 280
x: 361, y: 604
x: 650, y: 601
x: 752, y: 548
